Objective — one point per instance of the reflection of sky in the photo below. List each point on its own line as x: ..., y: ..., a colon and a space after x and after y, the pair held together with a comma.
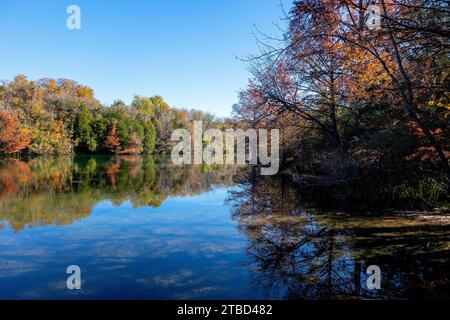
x: 187, y: 248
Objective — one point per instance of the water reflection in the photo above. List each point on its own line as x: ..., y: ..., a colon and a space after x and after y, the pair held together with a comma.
x: 142, y: 228
x: 46, y: 191
x: 139, y: 228
x: 297, y: 253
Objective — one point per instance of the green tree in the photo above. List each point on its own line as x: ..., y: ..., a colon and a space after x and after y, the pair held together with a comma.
x: 83, y: 130
x: 149, y: 141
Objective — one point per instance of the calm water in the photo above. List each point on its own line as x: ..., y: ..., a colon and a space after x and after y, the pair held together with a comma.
x: 141, y: 228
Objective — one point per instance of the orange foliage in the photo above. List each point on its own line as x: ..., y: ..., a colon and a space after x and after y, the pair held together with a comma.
x: 112, y: 142
x: 428, y: 152
x: 13, y: 174
x: 12, y: 138
x: 366, y: 78
x: 112, y: 171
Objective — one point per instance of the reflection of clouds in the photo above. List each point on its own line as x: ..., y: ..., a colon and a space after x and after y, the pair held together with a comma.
x: 175, y: 279
x: 172, y: 231
x: 115, y: 249
x: 32, y: 294
x: 222, y: 247
x: 34, y: 252
x: 14, y: 268
x: 58, y: 289
x: 193, y: 246
x: 61, y: 288
x: 184, y: 248
x: 205, y: 290
x: 114, y: 267
x: 201, y: 292
x: 187, y: 284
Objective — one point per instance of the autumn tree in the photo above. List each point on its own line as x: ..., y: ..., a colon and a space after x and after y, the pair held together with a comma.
x: 13, y: 138
x: 112, y: 142
x: 409, y: 45
x: 65, y: 117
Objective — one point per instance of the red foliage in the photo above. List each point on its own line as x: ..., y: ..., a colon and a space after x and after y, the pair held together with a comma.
x: 112, y: 142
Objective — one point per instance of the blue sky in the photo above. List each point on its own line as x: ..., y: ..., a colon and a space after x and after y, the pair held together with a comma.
x: 183, y: 50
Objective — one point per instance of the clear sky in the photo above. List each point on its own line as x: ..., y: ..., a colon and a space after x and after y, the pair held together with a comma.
x: 183, y: 50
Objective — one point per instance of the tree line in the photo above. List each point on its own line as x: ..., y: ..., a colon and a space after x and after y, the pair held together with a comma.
x: 61, y: 116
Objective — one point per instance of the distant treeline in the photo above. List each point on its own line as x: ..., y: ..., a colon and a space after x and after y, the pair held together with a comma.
x: 60, y: 116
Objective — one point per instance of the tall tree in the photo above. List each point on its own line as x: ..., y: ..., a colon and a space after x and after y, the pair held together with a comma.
x: 112, y: 142
x: 409, y: 44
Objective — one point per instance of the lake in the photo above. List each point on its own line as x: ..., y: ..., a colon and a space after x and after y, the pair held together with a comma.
x: 143, y: 228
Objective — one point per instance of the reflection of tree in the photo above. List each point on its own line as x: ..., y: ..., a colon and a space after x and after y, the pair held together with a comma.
x: 59, y: 191
x: 13, y: 174
x: 292, y: 255
x: 298, y: 255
